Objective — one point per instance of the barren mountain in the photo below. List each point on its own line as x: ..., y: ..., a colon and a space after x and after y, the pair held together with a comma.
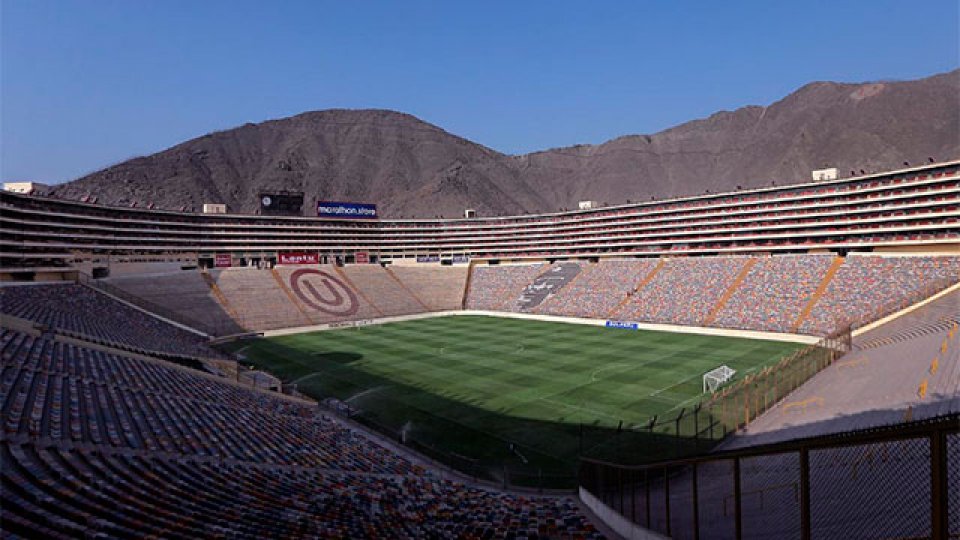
x: 411, y: 168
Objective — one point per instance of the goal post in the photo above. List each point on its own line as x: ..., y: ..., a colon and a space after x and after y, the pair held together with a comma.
x: 715, y: 378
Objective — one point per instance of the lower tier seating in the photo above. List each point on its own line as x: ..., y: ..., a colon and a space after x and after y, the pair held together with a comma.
x: 95, y: 444
x: 439, y: 287
x: 234, y: 300
x: 80, y: 311
x: 814, y: 294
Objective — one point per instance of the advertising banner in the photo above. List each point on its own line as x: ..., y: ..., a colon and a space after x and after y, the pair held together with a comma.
x: 428, y: 258
x: 343, y: 210
x: 361, y: 257
x: 223, y: 260
x: 623, y: 324
x: 297, y: 257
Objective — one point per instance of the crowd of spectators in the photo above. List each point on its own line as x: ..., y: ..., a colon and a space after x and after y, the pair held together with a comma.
x: 101, y: 444
x: 76, y: 310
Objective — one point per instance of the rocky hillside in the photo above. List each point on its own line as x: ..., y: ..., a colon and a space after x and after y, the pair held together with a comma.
x: 411, y: 168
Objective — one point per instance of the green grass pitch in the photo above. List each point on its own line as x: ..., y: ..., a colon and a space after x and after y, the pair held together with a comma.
x: 471, y: 385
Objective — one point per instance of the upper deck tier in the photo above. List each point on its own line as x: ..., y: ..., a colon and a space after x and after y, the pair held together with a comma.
x: 919, y: 206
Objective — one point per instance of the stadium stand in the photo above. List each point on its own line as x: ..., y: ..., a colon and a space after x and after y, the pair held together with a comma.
x: 914, y: 208
x: 100, y: 444
x: 78, y: 311
x: 496, y: 287
x: 439, y: 287
x: 257, y: 299
x: 865, y: 284
x: 364, y: 308
x: 748, y: 293
x: 383, y: 290
x: 184, y: 292
x: 598, y: 289
x: 877, y: 382
x: 699, y: 282
x: 774, y: 292
x: 547, y: 284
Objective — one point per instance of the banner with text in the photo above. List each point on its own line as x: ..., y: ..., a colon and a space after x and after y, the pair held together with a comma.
x: 346, y: 210
x: 623, y: 324
x: 297, y: 257
x: 361, y: 257
x: 223, y: 260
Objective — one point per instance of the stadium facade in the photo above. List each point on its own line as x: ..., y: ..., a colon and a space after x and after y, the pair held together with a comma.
x: 910, y: 210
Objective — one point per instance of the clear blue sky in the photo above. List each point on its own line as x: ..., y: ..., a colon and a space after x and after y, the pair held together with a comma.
x: 88, y: 84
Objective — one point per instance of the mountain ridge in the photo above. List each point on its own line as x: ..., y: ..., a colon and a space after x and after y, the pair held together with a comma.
x: 413, y: 168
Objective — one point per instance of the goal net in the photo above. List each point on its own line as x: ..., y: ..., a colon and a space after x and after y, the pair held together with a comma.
x: 715, y: 378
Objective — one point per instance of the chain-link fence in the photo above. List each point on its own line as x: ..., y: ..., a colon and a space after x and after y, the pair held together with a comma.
x: 893, y: 482
x: 701, y: 426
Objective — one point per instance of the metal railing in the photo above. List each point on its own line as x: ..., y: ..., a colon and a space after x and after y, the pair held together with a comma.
x: 899, y: 481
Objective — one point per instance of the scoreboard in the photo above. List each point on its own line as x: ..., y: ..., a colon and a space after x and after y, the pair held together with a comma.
x: 281, y: 203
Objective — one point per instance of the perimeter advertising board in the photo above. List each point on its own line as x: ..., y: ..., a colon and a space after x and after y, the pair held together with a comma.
x: 345, y: 210
x: 361, y: 257
x: 625, y: 325
x: 223, y: 260
x: 297, y: 257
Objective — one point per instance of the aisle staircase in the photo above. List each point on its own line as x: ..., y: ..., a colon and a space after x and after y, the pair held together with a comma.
x: 815, y: 297
x: 646, y: 280
x: 220, y: 297
x: 729, y: 292
x: 290, y: 296
x: 405, y: 288
x: 346, y: 279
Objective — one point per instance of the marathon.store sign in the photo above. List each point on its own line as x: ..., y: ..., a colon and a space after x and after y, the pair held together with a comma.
x: 297, y: 257
x: 623, y: 325
x: 343, y: 210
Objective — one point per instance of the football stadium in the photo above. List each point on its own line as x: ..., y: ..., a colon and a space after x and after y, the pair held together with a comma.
x: 353, y: 324
x: 674, y: 377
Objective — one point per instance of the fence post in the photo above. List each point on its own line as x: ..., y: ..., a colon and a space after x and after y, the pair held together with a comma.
x: 939, y: 523
x: 738, y: 521
x: 804, y: 494
x: 646, y: 497
x: 676, y: 427
x: 696, y: 505
x: 666, y: 496
x: 696, y: 426
x: 620, y: 489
